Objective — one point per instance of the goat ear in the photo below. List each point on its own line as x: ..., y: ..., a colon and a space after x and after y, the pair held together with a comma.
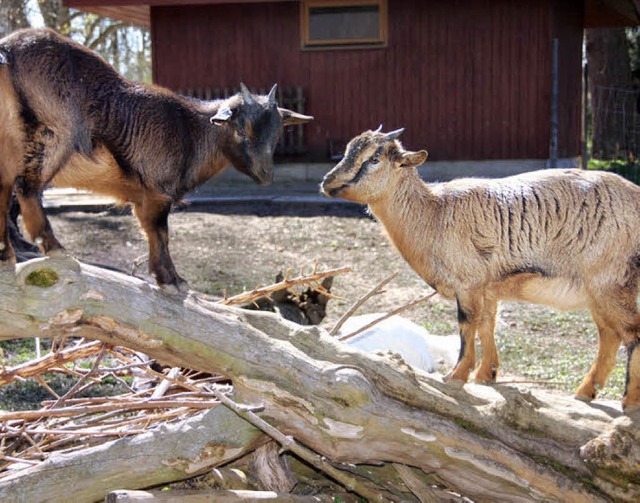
x: 289, y: 117
x: 223, y: 115
x: 413, y: 159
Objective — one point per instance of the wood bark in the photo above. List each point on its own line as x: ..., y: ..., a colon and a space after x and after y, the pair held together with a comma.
x: 495, y: 443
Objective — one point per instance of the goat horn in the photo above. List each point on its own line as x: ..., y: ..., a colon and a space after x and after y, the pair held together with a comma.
x: 394, y: 135
x: 246, y: 95
x: 379, y: 130
x: 272, y: 95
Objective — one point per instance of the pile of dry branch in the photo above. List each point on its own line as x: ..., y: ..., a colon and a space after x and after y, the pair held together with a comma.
x: 68, y: 423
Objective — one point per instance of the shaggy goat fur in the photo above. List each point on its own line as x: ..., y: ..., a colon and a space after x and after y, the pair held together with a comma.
x: 67, y: 118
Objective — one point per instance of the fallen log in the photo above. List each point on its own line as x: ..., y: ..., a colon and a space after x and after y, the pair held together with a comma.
x: 495, y: 443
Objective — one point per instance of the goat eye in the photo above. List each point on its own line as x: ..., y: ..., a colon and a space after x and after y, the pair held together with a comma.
x: 374, y: 160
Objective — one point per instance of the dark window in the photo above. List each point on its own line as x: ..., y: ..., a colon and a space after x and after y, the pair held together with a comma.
x: 334, y: 23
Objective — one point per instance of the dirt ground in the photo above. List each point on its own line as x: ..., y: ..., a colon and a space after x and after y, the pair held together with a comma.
x: 234, y: 252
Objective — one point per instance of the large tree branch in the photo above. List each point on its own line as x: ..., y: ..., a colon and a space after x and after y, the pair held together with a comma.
x: 486, y: 442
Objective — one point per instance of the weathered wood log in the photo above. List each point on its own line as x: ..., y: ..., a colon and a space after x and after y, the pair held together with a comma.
x: 489, y: 443
x: 210, y: 497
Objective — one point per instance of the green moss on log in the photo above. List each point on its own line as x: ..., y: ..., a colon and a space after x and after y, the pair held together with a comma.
x: 44, y: 278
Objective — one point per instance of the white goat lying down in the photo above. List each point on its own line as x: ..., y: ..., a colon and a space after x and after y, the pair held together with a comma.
x: 564, y: 238
x: 413, y: 342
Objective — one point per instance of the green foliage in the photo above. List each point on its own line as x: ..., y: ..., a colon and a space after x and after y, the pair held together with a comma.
x: 555, y: 349
x: 17, y: 351
x: 628, y: 169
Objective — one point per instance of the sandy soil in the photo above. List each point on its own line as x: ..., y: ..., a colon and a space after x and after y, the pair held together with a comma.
x: 218, y: 252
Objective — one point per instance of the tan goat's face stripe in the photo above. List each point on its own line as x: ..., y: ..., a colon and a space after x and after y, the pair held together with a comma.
x: 365, y: 164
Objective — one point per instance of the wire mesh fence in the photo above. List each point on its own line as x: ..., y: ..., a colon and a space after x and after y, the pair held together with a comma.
x: 615, y: 129
x: 616, y: 122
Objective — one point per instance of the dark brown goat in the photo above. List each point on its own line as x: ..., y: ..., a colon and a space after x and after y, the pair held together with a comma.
x: 68, y: 119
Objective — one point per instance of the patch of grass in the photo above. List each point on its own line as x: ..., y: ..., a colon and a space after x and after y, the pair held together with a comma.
x: 556, y: 348
x: 17, y: 351
x: 440, y: 318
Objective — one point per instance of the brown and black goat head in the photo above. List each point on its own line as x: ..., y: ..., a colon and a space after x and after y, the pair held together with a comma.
x: 255, y: 124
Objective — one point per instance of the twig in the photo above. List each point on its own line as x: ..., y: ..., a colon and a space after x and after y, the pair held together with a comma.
x: 85, y: 432
x: 285, y: 283
x: 122, y: 406
x: 289, y: 443
x: 157, y: 375
x: 75, y: 388
x: 376, y: 289
x: 524, y: 381
x: 55, y: 358
x: 164, y: 385
x: 20, y: 460
x: 388, y: 315
x: 46, y: 386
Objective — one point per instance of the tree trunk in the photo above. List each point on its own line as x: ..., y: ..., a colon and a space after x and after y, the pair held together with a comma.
x: 488, y: 443
x: 613, y: 105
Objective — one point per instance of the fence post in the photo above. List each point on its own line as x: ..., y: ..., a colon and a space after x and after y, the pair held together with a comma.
x: 553, y: 147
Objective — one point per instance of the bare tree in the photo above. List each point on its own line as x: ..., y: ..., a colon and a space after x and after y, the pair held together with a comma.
x: 13, y: 15
x: 126, y: 47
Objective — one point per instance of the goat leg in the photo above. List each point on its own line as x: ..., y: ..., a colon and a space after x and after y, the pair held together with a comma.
x: 631, y: 399
x: 6, y: 250
x: 608, y: 344
x: 487, y: 372
x: 153, y: 215
x: 37, y: 224
x: 467, y: 320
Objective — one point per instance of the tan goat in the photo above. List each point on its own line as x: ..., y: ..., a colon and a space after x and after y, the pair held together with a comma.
x: 564, y: 238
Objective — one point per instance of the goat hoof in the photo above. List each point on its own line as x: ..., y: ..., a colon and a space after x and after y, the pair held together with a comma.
x: 584, y: 398
x: 8, y: 261
x: 180, y: 286
x: 57, y: 253
x: 484, y: 381
x: 453, y: 382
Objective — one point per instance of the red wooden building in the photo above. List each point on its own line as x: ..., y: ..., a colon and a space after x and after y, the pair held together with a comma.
x: 468, y: 79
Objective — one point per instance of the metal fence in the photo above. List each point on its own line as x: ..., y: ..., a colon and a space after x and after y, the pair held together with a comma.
x: 292, y: 141
x: 616, y: 114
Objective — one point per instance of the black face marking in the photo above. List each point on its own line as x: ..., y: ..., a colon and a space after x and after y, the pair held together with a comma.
x: 336, y: 191
x: 364, y: 167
